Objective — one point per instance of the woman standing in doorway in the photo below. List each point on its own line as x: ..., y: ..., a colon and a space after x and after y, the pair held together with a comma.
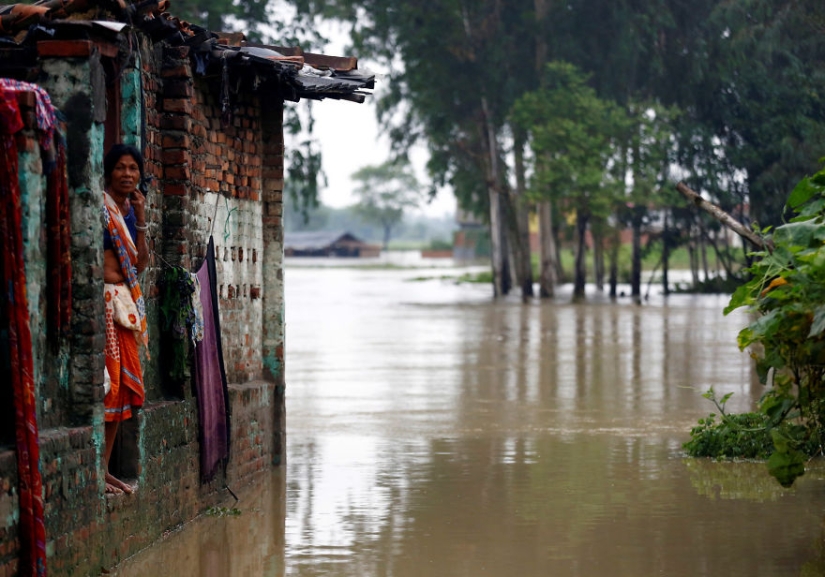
x: 125, y: 255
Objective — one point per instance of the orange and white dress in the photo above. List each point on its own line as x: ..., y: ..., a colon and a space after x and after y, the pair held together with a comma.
x: 125, y: 323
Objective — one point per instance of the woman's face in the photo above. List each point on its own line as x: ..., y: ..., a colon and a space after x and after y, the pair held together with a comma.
x: 125, y: 176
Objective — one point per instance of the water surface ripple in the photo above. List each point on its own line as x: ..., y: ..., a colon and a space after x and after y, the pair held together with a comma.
x: 433, y: 432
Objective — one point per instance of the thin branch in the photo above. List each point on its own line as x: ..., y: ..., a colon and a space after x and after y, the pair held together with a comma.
x: 724, y: 218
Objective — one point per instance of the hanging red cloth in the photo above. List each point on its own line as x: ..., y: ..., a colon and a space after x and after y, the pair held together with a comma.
x: 31, y: 528
x: 59, y: 263
x: 59, y: 260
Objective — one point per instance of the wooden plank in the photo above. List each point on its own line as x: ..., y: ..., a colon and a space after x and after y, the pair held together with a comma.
x: 231, y: 38
x: 65, y: 48
x: 337, y: 63
x: 74, y: 48
x: 285, y: 50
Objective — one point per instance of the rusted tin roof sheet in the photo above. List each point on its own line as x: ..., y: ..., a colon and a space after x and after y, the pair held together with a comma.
x: 30, y: 31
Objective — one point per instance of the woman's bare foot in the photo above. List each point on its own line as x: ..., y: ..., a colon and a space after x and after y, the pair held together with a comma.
x: 117, y: 486
x: 112, y: 490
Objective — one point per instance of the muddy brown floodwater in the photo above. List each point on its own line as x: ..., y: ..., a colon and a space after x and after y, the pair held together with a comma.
x: 433, y: 432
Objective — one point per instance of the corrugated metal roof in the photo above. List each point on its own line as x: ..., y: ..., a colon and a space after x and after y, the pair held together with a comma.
x: 316, y: 240
x: 296, y: 74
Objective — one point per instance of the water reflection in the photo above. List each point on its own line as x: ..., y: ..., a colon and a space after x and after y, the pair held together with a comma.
x: 224, y: 544
x: 432, y: 432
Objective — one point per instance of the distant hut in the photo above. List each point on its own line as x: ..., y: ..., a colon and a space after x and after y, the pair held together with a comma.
x: 324, y: 243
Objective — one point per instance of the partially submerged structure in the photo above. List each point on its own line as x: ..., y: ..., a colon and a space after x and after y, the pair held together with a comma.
x: 206, y: 109
x: 328, y: 243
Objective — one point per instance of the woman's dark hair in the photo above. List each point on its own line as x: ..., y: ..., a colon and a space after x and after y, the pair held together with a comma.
x: 117, y: 152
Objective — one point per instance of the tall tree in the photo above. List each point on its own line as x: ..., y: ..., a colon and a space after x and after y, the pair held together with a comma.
x: 573, y: 136
x: 384, y: 192
x: 651, y: 147
x: 752, y: 84
x: 462, y: 63
x: 747, y: 74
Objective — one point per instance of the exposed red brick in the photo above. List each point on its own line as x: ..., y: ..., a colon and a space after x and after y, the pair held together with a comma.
x: 272, y: 173
x: 179, y: 88
x: 179, y: 52
x: 176, y: 188
x: 175, y: 140
x: 175, y: 156
x: 169, y: 122
x: 177, y: 172
x: 180, y: 105
x: 179, y: 71
x: 274, y: 183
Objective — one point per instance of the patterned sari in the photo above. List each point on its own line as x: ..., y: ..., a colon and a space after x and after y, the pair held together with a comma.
x: 125, y: 322
x: 15, y: 333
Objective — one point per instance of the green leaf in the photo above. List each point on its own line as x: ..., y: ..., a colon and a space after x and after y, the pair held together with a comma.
x: 819, y: 178
x: 786, y: 467
x: 762, y: 369
x: 786, y: 463
x: 763, y: 327
x: 802, y: 193
x: 741, y: 296
x: 745, y: 338
x: 775, y: 409
x: 812, y: 209
x: 796, y: 233
x: 818, y: 324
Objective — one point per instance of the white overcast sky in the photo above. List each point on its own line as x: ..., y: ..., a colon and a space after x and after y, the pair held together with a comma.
x: 349, y: 137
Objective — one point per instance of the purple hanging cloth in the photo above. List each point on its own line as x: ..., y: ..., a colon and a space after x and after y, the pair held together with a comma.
x: 210, y: 375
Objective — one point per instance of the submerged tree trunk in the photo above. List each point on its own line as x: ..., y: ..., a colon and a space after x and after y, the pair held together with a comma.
x: 520, y: 238
x: 580, y: 269
x: 510, y: 268
x: 597, y: 232
x: 721, y: 259
x: 665, y: 255
x: 615, y: 245
x: 561, y: 276
x: 496, y: 245
x: 387, y: 233
x: 506, y: 261
x: 547, y: 251
x: 703, y: 251
x: 636, y: 257
x: 694, y: 262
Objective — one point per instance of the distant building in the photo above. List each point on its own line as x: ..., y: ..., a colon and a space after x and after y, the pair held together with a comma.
x: 472, y: 239
x: 324, y: 243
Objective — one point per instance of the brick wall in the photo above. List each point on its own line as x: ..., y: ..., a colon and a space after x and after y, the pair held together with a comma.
x: 217, y: 169
x: 213, y: 181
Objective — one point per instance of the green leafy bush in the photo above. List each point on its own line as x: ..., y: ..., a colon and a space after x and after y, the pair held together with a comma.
x: 739, y: 436
x: 786, y: 293
x: 742, y: 436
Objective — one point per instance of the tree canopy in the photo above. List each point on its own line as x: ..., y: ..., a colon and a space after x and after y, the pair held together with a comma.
x: 384, y: 192
x: 742, y: 83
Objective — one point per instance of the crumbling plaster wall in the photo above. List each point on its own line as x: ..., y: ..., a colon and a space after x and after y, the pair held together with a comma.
x: 210, y: 176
